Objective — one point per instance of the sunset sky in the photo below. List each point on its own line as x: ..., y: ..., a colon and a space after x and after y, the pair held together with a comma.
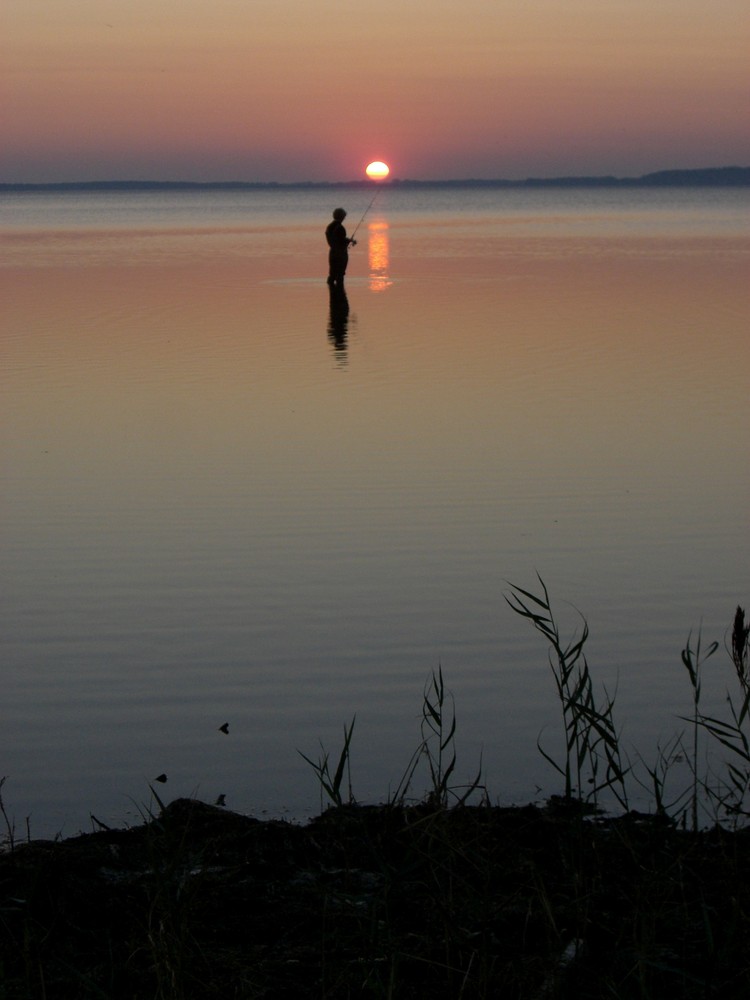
x: 294, y: 90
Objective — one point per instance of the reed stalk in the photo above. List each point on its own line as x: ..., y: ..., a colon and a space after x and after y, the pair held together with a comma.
x: 593, y: 756
x: 732, y: 733
x: 330, y: 783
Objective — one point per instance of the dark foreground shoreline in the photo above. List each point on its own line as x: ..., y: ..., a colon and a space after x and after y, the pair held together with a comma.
x: 403, y: 902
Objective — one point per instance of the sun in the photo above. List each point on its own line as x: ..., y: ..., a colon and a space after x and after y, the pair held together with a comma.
x: 377, y: 170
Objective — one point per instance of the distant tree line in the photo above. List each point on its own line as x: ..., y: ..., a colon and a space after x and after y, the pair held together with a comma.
x: 707, y: 177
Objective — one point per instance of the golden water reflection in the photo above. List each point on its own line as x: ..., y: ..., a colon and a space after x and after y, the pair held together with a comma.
x: 378, y: 255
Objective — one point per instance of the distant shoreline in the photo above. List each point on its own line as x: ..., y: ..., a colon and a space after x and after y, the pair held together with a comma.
x: 707, y: 177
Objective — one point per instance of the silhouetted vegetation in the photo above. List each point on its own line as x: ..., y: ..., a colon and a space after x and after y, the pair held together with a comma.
x: 438, y: 894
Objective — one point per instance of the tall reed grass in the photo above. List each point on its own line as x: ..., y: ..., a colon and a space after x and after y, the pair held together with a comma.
x: 595, y: 764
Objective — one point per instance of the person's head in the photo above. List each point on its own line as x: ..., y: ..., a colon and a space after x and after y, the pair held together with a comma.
x: 339, y: 214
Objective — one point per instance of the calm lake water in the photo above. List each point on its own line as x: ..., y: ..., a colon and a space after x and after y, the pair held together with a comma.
x: 225, y: 501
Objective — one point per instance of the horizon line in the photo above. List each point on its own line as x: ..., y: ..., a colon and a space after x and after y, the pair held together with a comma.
x: 726, y: 176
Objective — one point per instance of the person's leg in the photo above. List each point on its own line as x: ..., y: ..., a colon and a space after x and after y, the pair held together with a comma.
x: 343, y: 261
x: 336, y: 269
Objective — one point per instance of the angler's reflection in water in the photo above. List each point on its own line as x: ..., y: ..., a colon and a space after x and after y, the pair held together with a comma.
x: 378, y: 254
x: 338, y: 323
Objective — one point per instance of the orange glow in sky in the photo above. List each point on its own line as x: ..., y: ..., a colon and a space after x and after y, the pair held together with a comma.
x: 262, y: 91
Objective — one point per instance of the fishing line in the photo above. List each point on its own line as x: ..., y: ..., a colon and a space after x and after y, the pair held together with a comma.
x: 377, y: 192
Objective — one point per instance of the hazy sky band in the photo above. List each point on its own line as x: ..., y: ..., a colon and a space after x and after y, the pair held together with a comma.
x: 315, y: 89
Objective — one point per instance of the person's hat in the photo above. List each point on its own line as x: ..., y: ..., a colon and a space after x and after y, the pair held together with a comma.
x: 339, y: 213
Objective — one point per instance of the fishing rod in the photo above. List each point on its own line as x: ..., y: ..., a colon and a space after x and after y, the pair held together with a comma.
x: 351, y: 238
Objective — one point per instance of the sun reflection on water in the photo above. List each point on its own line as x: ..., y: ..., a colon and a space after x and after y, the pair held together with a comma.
x: 378, y: 256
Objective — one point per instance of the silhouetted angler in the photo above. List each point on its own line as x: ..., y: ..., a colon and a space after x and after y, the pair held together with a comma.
x: 338, y: 243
